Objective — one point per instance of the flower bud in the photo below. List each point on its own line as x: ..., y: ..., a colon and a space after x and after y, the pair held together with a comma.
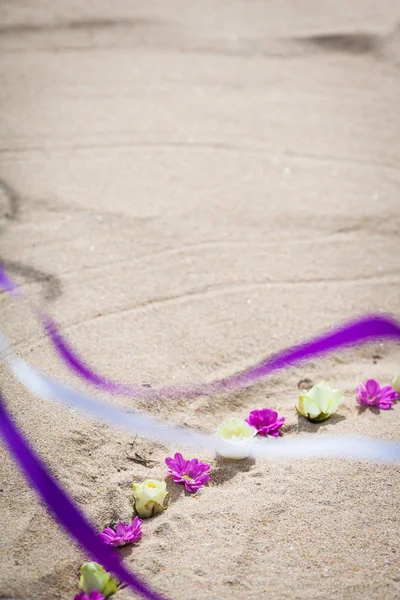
x: 319, y: 403
x: 149, y: 497
x: 94, y: 577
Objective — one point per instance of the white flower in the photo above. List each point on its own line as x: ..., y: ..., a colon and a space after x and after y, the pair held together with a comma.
x: 320, y: 402
x: 396, y: 383
x: 236, y: 438
x: 149, y: 497
x: 94, y: 577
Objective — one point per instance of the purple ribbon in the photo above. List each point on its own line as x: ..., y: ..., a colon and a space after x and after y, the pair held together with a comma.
x: 362, y: 330
x: 7, y: 283
x: 359, y: 331
x: 63, y: 508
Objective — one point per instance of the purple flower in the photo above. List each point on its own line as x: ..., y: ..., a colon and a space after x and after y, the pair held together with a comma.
x: 123, y: 534
x: 266, y: 421
x: 95, y: 595
x: 192, y: 473
x: 372, y: 394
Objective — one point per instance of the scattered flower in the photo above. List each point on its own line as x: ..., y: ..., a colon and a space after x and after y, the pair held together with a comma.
x: 236, y: 437
x: 95, y: 578
x: 192, y: 473
x: 123, y: 534
x: 319, y: 403
x: 266, y: 421
x: 95, y: 595
x: 396, y: 382
x: 372, y: 394
x: 149, y: 497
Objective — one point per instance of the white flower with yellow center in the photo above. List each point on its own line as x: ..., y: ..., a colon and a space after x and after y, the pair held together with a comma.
x: 149, y: 497
x: 236, y: 438
x: 320, y: 402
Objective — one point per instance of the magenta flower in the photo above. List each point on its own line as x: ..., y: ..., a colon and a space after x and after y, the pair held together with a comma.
x: 123, y: 534
x: 192, y: 473
x: 95, y: 595
x: 372, y: 394
x: 266, y: 421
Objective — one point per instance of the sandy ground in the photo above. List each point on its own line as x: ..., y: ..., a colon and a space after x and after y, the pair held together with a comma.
x: 190, y: 186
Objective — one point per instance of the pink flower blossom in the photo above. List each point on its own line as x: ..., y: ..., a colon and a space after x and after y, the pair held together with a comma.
x: 123, y: 534
x: 266, y: 421
x: 192, y: 473
x: 372, y: 394
x: 95, y: 595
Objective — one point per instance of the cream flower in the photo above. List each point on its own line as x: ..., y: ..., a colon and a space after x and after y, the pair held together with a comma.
x: 149, y: 497
x: 320, y: 402
x: 396, y: 382
x: 236, y: 438
x: 94, y: 577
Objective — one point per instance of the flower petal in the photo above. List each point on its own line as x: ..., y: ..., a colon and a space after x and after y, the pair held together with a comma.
x: 336, y: 399
x: 372, y: 387
x: 308, y: 407
x: 322, y: 397
x: 396, y: 382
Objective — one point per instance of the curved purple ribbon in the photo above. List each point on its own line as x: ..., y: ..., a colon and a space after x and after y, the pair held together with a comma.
x: 63, y: 508
x: 7, y: 283
x: 359, y: 331
x: 362, y: 330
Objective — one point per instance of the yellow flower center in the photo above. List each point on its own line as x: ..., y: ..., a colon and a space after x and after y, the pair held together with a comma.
x: 151, y: 485
x: 187, y: 477
x: 237, y: 433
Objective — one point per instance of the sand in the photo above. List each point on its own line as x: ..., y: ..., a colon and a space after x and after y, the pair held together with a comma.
x: 189, y: 187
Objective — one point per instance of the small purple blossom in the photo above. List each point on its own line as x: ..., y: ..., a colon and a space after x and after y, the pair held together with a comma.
x: 95, y: 595
x: 192, y: 473
x: 123, y: 534
x: 372, y: 394
x: 266, y: 421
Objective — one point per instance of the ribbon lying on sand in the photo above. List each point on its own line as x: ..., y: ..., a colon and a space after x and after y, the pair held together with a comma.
x: 134, y: 422
x: 368, y: 328
x: 69, y: 515
x: 63, y: 508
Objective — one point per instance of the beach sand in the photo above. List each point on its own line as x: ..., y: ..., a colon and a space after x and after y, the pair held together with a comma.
x: 189, y: 187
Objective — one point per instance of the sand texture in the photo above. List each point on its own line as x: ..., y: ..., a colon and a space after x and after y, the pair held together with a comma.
x: 188, y: 187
